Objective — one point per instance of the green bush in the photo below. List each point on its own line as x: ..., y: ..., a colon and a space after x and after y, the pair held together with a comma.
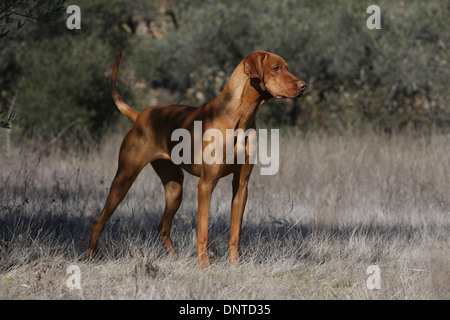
x: 392, y: 78
x: 388, y: 78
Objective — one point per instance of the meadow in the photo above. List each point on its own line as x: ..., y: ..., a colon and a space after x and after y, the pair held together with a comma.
x: 338, y: 205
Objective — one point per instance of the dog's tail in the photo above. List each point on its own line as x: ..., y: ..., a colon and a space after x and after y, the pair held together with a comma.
x: 123, y: 107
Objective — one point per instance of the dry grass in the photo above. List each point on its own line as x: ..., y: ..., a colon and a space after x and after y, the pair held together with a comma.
x: 337, y: 205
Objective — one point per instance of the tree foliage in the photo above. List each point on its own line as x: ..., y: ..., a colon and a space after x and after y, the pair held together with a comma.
x: 184, y: 51
x: 15, y: 13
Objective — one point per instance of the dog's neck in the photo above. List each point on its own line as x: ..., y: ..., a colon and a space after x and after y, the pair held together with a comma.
x: 242, y: 97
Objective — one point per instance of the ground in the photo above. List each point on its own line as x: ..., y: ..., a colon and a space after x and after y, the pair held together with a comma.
x: 338, y: 205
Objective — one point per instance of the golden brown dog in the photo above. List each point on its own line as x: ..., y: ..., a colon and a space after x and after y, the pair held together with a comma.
x: 258, y: 78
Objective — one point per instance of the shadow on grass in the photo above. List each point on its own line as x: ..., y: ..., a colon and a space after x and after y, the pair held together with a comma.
x: 25, y: 239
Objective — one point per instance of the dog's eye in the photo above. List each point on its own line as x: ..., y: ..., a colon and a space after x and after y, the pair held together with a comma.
x: 275, y: 68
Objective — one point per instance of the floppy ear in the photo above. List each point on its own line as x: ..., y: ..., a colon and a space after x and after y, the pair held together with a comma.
x: 253, y: 67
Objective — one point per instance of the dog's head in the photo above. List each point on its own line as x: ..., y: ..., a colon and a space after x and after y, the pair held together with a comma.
x: 270, y: 72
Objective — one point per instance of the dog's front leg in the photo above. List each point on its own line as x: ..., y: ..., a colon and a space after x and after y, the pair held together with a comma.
x: 240, y: 192
x: 206, y: 186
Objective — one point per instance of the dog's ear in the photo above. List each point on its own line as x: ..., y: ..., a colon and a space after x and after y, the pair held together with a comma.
x: 253, y: 67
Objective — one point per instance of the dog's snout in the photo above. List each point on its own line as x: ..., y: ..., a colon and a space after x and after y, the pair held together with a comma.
x: 301, y: 85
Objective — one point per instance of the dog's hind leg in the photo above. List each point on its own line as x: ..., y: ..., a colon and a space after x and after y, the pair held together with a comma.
x: 172, y: 177
x: 132, y: 158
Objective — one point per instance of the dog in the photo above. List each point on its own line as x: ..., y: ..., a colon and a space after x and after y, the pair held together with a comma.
x: 258, y: 78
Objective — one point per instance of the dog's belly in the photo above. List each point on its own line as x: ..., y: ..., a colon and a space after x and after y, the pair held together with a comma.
x: 194, y: 169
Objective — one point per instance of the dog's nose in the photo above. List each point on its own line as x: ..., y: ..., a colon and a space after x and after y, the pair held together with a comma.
x: 301, y: 85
